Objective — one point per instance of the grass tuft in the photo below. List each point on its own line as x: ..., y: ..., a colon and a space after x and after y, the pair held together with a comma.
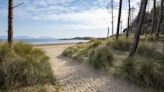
x: 148, y: 49
x: 101, y: 58
x: 120, y: 44
x: 23, y: 66
x: 144, y: 72
x: 145, y: 69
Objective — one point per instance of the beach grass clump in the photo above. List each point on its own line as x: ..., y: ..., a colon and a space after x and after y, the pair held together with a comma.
x: 94, y: 44
x: 121, y: 44
x: 148, y: 49
x: 70, y: 51
x: 101, y: 58
x: 81, y: 51
x: 76, y: 52
x: 23, y: 65
x: 143, y: 71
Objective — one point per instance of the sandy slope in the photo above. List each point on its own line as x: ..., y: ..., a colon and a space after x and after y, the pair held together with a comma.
x: 76, y: 77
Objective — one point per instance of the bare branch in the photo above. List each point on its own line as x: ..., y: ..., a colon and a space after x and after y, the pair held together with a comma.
x: 18, y: 5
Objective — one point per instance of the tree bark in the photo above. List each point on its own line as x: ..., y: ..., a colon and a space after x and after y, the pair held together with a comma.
x: 112, y: 17
x: 139, y: 14
x: 139, y: 27
x: 10, y: 22
x: 129, y: 12
x: 160, y: 20
x: 154, y: 22
x: 119, y: 19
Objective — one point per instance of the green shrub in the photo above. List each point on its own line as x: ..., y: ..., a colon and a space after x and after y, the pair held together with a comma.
x: 144, y: 72
x: 23, y: 66
x: 101, y: 58
x: 120, y: 44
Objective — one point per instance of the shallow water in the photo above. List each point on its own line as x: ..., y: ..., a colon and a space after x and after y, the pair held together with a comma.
x: 47, y: 41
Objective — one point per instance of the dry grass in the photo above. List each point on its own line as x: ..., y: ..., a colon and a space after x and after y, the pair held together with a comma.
x: 23, y: 66
x: 145, y: 69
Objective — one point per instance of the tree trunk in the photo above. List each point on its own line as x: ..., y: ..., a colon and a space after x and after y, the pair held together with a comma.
x: 139, y: 14
x: 139, y: 27
x: 160, y: 20
x: 112, y: 17
x: 108, y: 33
x: 119, y: 19
x: 128, y: 29
x: 154, y: 18
x: 10, y: 22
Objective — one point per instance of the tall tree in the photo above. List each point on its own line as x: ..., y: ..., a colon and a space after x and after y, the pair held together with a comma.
x: 10, y: 22
x: 119, y: 19
x: 129, y: 12
x: 154, y: 22
x: 138, y: 30
x: 139, y: 14
x: 112, y: 7
x: 160, y: 19
x: 132, y: 18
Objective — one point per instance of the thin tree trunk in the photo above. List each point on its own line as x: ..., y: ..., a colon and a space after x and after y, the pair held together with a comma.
x: 154, y: 18
x: 139, y: 27
x: 128, y: 29
x: 139, y: 14
x: 108, y: 33
x: 160, y: 20
x: 119, y: 19
x: 10, y: 22
x: 112, y: 17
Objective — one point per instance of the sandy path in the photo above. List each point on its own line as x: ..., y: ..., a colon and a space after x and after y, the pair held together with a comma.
x: 76, y: 77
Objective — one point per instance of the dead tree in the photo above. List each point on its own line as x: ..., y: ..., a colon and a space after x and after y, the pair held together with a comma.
x: 138, y: 30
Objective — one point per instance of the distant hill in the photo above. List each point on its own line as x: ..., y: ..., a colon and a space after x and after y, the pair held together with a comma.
x: 79, y: 38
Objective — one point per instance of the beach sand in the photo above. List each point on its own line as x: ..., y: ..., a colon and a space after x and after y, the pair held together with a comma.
x: 77, y: 77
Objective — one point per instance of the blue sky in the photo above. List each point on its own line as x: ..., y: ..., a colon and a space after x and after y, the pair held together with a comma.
x: 61, y: 18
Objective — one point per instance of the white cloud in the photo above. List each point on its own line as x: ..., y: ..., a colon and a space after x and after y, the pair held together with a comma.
x: 89, y: 19
x: 86, y: 17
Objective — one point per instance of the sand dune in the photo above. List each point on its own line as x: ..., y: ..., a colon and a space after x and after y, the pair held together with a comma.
x: 77, y: 77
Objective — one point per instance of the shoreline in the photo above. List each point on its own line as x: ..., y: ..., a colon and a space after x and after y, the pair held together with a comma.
x: 54, y: 44
x: 48, y: 43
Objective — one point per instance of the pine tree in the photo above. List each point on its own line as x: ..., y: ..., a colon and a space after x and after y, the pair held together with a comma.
x: 10, y: 22
x: 139, y: 27
x: 129, y: 12
x: 119, y: 19
x: 160, y: 20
